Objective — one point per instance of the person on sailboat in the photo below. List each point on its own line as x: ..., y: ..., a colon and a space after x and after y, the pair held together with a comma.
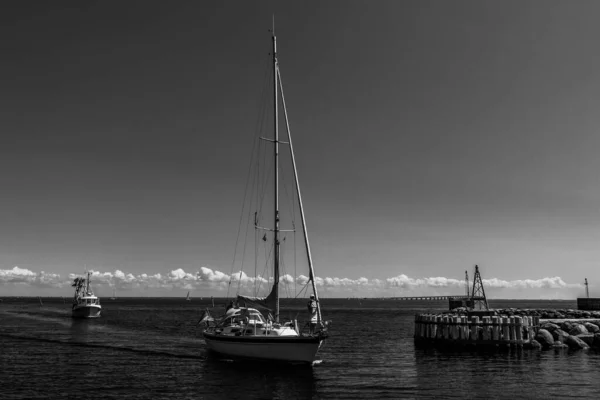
x: 312, y: 309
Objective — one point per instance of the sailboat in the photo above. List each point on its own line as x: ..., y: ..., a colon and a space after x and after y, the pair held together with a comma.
x: 85, y: 303
x: 188, y: 298
x: 244, y: 332
x: 114, y: 296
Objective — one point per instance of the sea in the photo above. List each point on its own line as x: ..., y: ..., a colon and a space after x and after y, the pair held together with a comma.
x: 152, y: 348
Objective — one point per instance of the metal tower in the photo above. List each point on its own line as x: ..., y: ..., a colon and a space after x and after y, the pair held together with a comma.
x: 478, y: 294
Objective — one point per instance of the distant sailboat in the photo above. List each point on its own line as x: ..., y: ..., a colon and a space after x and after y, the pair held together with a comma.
x: 188, y: 298
x: 114, y: 296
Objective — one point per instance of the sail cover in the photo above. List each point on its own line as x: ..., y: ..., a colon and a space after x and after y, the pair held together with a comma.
x: 268, y: 302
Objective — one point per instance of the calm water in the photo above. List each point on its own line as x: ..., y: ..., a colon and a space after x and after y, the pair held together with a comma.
x: 150, y: 348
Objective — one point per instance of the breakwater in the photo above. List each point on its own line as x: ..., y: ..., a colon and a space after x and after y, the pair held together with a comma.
x: 586, y: 303
x: 526, y: 328
x: 475, y: 331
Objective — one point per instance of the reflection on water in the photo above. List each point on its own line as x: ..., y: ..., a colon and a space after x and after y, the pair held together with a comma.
x: 79, y: 330
x: 259, y: 379
x: 505, y: 373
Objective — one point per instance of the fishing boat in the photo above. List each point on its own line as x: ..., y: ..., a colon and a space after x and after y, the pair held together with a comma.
x: 254, y: 330
x: 85, y: 303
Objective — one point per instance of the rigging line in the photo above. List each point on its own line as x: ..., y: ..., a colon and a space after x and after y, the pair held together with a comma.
x: 282, y: 269
x: 290, y: 199
x: 267, y: 177
x: 291, y: 209
x: 295, y: 264
x: 244, y: 252
x: 259, y: 123
x: 240, y: 222
x: 266, y: 267
x: 263, y: 191
x: 255, y: 254
x: 293, y: 220
x: 304, y: 229
x: 243, y: 258
x: 266, y: 99
x: 305, y: 288
x: 261, y: 186
x: 256, y: 286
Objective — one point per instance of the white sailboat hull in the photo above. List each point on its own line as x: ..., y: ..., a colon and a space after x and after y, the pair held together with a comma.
x: 288, y: 349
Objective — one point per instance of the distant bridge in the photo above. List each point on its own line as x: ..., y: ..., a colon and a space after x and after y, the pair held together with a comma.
x: 432, y: 298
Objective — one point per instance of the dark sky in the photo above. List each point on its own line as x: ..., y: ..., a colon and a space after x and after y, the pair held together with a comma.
x: 430, y: 135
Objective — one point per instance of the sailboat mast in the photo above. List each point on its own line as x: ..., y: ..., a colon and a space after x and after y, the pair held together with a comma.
x: 305, y: 231
x: 276, y: 175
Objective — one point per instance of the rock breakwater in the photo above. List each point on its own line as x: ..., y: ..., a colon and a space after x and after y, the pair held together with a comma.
x: 558, y: 328
x: 548, y: 313
x: 572, y: 334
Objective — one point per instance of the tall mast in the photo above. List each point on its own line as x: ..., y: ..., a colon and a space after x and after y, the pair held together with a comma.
x: 305, y: 231
x: 276, y: 175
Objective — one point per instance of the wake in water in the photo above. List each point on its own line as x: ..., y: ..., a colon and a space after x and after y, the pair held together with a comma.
x: 53, y: 325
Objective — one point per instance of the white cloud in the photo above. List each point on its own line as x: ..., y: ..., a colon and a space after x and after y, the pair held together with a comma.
x: 207, y: 274
x: 24, y: 276
x: 544, y: 283
x: 217, y: 283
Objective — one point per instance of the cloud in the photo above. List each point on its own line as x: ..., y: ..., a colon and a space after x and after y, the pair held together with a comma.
x: 217, y: 283
x: 544, y: 283
x: 23, y: 276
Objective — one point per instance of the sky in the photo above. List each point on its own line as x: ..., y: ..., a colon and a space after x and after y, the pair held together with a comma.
x: 430, y: 136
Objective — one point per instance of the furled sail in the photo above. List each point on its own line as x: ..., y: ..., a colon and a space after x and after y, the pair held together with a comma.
x: 268, y: 302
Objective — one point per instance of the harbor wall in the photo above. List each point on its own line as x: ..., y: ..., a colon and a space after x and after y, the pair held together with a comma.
x: 588, y: 304
x: 468, y: 331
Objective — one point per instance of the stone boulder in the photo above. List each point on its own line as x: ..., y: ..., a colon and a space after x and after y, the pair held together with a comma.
x: 575, y: 343
x: 550, y: 327
x: 597, y: 323
x: 535, y: 344
x: 592, y: 328
x: 588, y: 338
x: 596, y: 339
x: 560, y: 345
x: 577, y: 329
x: 566, y: 326
x: 544, y: 338
x: 560, y: 335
